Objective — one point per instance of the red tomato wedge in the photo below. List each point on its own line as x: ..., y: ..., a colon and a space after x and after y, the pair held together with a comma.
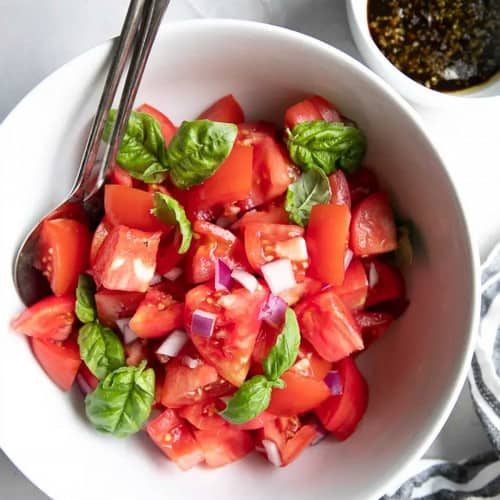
x: 274, y: 214
x: 373, y: 324
x: 354, y: 289
x: 226, y: 109
x: 251, y: 132
x: 264, y: 343
x: 326, y: 109
x: 113, y: 304
x: 100, y: 235
x: 174, y: 438
x: 340, y: 189
x: 89, y: 379
x: 60, y: 361
x: 309, y: 363
x: 63, y: 253
x: 328, y: 325
x: 118, y: 175
x: 257, y: 422
x: 310, y: 109
x: 341, y: 414
x: 126, y: 260
x: 373, y: 230
x: 386, y: 281
x: 362, y: 183
x: 237, y: 325
x: 167, y: 128
x: 204, y: 416
x: 157, y: 315
x: 168, y: 255
x: 225, y: 445
x: 51, y: 318
x: 327, y: 238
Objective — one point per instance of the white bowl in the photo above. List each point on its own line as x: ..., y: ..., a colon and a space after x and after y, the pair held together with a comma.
x: 357, y: 15
x: 415, y: 372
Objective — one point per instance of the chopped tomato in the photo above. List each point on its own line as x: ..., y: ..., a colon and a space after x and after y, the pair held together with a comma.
x: 373, y: 230
x: 340, y: 189
x: 51, y: 318
x: 362, y: 183
x: 303, y: 289
x: 309, y: 363
x: 373, y: 324
x: 326, y: 109
x: 89, y: 378
x: 126, y: 260
x: 167, y: 128
x: 224, y: 445
x: 341, y: 414
x: 274, y: 214
x: 131, y: 207
x: 267, y: 242
x: 354, y: 289
x: 328, y: 325
x: 386, y: 282
x: 204, y: 416
x: 100, y: 235
x: 177, y: 288
x: 257, y: 422
x: 135, y: 352
x: 174, y: 438
x: 226, y: 109
x: 168, y: 255
x: 61, y: 361
x: 264, y: 343
x: 157, y: 315
x: 236, y: 328
x: 310, y: 109
x: 327, y: 238
x: 63, y: 253
x: 251, y: 132
x: 113, y: 304
x: 120, y: 176
x: 211, y: 242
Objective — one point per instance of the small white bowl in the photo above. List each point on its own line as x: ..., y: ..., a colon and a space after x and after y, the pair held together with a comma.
x: 357, y: 13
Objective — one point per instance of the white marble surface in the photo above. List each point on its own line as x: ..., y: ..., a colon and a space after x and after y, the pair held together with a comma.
x: 37, y: 37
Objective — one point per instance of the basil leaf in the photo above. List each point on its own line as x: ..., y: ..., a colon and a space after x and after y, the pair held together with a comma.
x: 310, y: 189
x: 100, y: 349
x: 142, y: 150
x: 197, y: 150
x: 122, y: 402
x: 326, y: 145
x: 404, y: 250
x: 168, y: 210
x: 251, y: 399
x: 85, y: 308
x: 284, y: 353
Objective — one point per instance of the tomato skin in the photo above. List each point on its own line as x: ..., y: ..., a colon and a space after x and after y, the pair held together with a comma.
x: 251, y: 132
x: 51, y: 318
x: 274, y: 214
x: 328, y: 325
x: 389, y: 285
x: 373, y: 230
x: 327, y: 237
x: 226, y: 109
x: 326, y: 109
x: 264, y: 343
x: 60, y: 361
x: 204, y: 416
x: 373, y: 324
x: 63, y: 253
x: 120, y: 176
x: 340, y: 189
x: 157, y: 315
x: 303, y: 111
x: 90, y: 379
x: 100, y: 235
x: 362, y: 183
x: 114, y: 304
x: 174, y: 438
x: 126, y: 260
x: 257, y: 422
x: 354, y: 289
x: 167, y: 128
x: 224, y: 445
x: 168, y: 255
x: 341, y: 414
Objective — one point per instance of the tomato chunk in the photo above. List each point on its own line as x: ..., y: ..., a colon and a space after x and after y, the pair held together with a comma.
x: 328, y: 325
x: 113, y: 304
x: 168, y: 255
x: 373, y: 230
x: 326, y: 109
x: 174, y: 438
x: 126, y: 260
x: 226, y: 109
x: 120, y: 176
x: 63, y: 253
x: 61, y: 361
x: 157, y: 315
x: 386, y: 282
x: 51, y: 318
x: 274, y: 214
x: 312, y: 108
x: 354, y: 289
x: 100, y: 235
x: 340, y: 189
x: 257, y: 422
x: 362, y: 183
x: 251, y: 132
x: 373, y: 324
x: 204, y: 416
x: 341, y: 414
x: 327, y: 238
x: 167, y: 128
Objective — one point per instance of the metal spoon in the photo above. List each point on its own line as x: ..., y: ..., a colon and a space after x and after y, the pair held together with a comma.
x: 138, y: 33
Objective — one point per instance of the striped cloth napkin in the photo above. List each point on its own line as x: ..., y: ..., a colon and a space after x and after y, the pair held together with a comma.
x: 477, y: 477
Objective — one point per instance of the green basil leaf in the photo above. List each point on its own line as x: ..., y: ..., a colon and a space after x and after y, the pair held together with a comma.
x: 142, y: 150
x: 198, y: 149
x: 326, y: 145
x: 310, y: 189
x: 251, y: 399
x: 404, y: 251
x: 168, y: 210
x: 284, y: 353
x: 100, y: 349
x: 85, y: 308
x: 122, y: 402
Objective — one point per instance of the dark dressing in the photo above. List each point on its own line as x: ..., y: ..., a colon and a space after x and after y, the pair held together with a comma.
x: 446, y: 45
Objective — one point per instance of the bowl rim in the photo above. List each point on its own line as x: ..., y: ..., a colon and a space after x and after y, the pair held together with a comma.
x: 358, y: 21
x: 215, y: 24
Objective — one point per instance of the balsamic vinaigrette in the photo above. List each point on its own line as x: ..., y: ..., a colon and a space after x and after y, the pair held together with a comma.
x: 446, y: 45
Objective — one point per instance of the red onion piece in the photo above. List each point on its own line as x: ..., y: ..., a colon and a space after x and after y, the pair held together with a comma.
x: 83, y: 384
x: 127, y: 332
x: 173, y: 274
x: 173, y: 344
x: 223, y: 278
x: 155, y: 280
x: 202, y: 323
x: 279, y: 275
x: 273, y: 311
x: 347, y: 258
x: 372, y: 275
x: 245, y: 279
x: 272, y: 452
x: 325, y: 286
x: 334, y: 382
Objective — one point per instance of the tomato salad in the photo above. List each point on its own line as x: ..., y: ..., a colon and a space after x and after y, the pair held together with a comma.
x: 221, y: 302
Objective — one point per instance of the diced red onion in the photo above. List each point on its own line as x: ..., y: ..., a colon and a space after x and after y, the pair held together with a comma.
x: 272, y: 452
x: 279, y: 275
x: 83, y: 384
x: 347, y: 258
x: 372, y: 275
x: 223, y: 278
x: 173, y: 344
x: 325, y: 286
x: 334, y: 382
x: 191, y: 362
x: 202, y: 323
x: 127, y: 332
x: 155, y: 280
x: 245, y: 279
x: 173, y: 274
x: 273, y: 311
